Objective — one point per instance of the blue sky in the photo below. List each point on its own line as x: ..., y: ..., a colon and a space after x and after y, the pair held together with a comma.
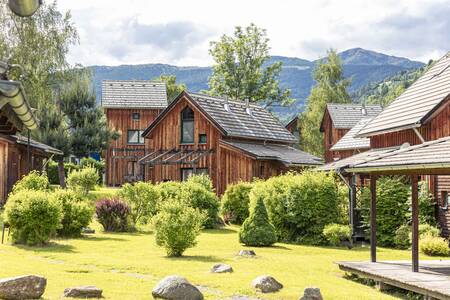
x: 114, y: 32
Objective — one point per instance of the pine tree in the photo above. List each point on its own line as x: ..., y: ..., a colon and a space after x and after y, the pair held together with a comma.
x: 331, y: 87
x: 256, y: 229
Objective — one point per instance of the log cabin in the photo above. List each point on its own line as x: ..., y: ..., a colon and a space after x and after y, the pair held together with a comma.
x: 337, y: 120
x: 18, y: 154
x: 293, y: 127
x: 419, y: 116
x: 229, y: 140
x: 130, y: 106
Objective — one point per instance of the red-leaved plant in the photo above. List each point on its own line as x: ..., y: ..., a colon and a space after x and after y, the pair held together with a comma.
x: 112, y: 214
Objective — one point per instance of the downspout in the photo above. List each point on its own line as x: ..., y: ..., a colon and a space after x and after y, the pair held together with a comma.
x: 419, y: 135
x: 28, y: 151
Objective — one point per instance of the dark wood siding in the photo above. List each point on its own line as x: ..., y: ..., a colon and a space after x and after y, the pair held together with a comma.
x: 331, y: 136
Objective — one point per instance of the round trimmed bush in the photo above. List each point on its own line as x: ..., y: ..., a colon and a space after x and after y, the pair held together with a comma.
x: 77, y: 212
x: 177, y: 226
x: 235, y: 202
x: 142, y: 198
x: 83, y: 180
x: 34, y: 180
x: 203, y: 180
x: 434, y: 246
x: 113, y: 214
x: 169, y: 190
x: 402, y: 238
x: 256, y: 229
x: 337, y: 233
x: 33, y: 216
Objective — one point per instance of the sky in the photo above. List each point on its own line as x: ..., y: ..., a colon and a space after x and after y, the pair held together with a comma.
x: 114, y: 32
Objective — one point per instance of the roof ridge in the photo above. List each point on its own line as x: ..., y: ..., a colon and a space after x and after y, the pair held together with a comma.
x: 354, y: 104
x: 133, y: 80
x: 223, y: 99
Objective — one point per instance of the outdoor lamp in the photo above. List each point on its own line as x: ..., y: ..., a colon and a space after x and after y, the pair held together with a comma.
x: 24, y: 8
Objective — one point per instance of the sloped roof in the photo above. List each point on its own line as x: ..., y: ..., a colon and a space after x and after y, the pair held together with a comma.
x: 345, y: 116
x: 431, y: 154
x: 356, y: 159
x: 282, y: 153
x: 20, y: 139
x: 416, y: 104
x: 236, y: 121
x: 133, y: 94
x: 349, y: 141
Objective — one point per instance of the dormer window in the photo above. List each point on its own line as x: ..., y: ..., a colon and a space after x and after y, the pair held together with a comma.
x: 136, y: 116
x: 187, y: 126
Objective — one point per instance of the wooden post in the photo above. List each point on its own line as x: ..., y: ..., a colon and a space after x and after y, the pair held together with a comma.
x: 373, y: 218
x: 415, y: 223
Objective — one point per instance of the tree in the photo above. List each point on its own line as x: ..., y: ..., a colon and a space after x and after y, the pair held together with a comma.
x: 173, y: 89
x: 240, y: 70
x: 331, y: 87
x: 87, y: 123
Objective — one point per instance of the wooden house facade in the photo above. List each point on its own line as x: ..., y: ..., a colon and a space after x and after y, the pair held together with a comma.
x: 337, y: 121
x: 129, y: 105
x: 228, y: 140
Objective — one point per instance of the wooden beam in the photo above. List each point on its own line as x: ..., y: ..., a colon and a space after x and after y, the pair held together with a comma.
x: 159, y: 156
x: 184, y: 156
x: 373, y: 218
x: 415, y: 223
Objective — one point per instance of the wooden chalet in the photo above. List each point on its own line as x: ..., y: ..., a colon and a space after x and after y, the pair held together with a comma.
x: 130, y: 106
x: 293, y: 127
x: 18, y: 154
x: 228, y: 140
x: 337, y: 121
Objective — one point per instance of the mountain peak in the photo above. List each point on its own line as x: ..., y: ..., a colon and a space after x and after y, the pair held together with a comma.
x: 360, y: 56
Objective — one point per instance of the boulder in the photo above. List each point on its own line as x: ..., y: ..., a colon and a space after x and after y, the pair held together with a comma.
x: 312, y: 293
x: 247, y: 253
x: 176, y: 288
x: 221, y: 268
x: 22, y: 287
x: 266, y: 284
x: 83, y: 292
x: 88, y: 230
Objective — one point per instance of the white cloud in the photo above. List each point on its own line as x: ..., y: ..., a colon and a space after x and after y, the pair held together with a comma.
x: 178, y: 32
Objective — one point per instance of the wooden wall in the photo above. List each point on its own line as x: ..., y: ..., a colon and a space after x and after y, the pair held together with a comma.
x: 121, y: 120
x: 331, y: 136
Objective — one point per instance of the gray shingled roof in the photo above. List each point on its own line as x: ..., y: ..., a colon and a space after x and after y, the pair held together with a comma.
x: 133, y: 94
x: 432, y: 154
x: 20, y: 139
x: 345, y: 116
x: 413, y: 107
x: 349, y: 141
x: 282, y: 153
x: 356, y: 159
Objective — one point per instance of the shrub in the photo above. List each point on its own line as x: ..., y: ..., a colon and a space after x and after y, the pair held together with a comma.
x: 433, y: 246
x: 402, y: 238
x: 256, y: 229
x: 33, y: 216
x: 98, y: 165
x: 196, y: 196
x: 142, y: 198
x: 203, y: 180
x: 77, y: 213
x: 177, y: 226
x: 392, y: 208
x: 83, y: 180
x: 426, y: 205
x: 299, y: 206
x: 235, y: 202
x: 32, y: 181
x: 113, y: 214
x: 426, y: 229
x: 169, y: 190
x: 52, y: 170
x: 337, y: 233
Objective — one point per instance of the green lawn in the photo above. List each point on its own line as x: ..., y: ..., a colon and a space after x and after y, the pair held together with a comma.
x: 128, y: 265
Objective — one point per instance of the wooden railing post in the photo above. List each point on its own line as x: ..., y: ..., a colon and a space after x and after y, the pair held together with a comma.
x: 373, y: 218
x: 415, y: 223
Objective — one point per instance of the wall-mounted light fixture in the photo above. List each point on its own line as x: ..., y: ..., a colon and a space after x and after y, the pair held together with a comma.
x: 24, y: 8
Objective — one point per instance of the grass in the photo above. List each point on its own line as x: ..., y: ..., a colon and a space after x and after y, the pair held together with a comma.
x: 128, y: 265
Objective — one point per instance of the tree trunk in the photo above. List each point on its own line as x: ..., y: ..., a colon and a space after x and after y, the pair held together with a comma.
x: 61, y: 175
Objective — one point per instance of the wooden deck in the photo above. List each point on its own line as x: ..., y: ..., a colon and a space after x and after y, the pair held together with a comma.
x: 432, y: 280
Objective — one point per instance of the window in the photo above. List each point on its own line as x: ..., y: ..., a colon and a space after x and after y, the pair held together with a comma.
x: 261, y: 170
x: 445, y: 197
x: 202, y: 138
x: 134, y: 137
x: 187, y: 126
x: 136, y: 116
x: 187, y: 172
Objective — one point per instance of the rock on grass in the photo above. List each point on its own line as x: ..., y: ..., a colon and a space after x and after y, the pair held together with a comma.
x: 266, y: 284
x: 22, y: 287
x: 176, y: 288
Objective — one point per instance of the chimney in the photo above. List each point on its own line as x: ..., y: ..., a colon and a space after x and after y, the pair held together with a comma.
x: 226, y: 105
x: 247, y: 107
x: 363, y: 109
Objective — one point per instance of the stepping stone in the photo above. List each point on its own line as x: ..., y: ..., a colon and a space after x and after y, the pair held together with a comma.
x: 22, y: 287
x: 83, y: 292
x: 266, y: 284
x: 311, y: 293
x: 247, y: 253
x: 221, y: 268
x: 176, y: 288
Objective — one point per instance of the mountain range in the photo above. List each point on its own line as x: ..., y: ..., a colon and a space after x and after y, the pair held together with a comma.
x: 364, y: 67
